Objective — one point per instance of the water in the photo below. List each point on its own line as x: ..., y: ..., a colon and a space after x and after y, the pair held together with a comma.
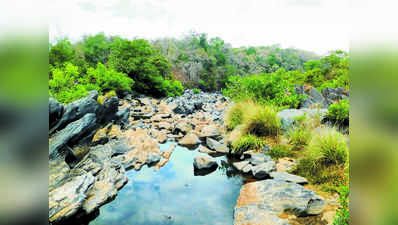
x: 174, y: 196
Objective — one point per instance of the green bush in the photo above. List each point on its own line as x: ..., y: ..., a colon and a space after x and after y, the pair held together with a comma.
x: 235, y: 115
x: 196, y: 91
x: 261, y: 121
x: 343, y: 214
x: 171, y: 88
x: 339, y: 112
x: 280, y: 151
x: 68, y: 85
x: 273, y: 88
x: 246, y: 143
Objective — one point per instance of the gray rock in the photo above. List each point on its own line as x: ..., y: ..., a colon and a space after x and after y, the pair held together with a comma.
x: 198, y: 105
x: 263, y: 170
x: 56, y: 110
x: 66, y: 200
x: 216, y: 146
x: 287, y: 116
x: 283, y: 176
x: 204, y: 162
x: 72, y: 133
x: 210, y: 131
x: 240, y: 165
x: 122, y: 116
x: 183, y: 127
x: 261, y: 202
x: 189, y: 140
x: 77, y: 110
x: 259, y: 158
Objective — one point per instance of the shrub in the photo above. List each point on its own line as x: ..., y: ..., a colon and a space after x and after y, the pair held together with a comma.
x: 299, y: 136
x: 246, y: 143
x: 235, y: 115
x: 273, y: 88
x: 329, y: 147
x: 196, y: 91
x: 261, y: 121
x: 325, y: 161
x: 280, y: 151
x: 343, y: 214
x: 339, y: 111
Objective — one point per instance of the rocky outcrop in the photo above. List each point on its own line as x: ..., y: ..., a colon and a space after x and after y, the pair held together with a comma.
x: 258, y: 164
x: 316, y: 99
x: 56, y: 110
x: 61, y: 142
x: 262, y: 202
x: 288, y: 116
x: 283, y: 176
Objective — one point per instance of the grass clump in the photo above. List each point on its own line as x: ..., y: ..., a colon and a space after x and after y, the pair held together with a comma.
x: 343, y: 214
x: 196, y: 91
x: 235, y: 115
x: 280, y: 151
x: 101, y: 98
x: 299, y: 136
x: 261, y: 121
x: 246, y: 143
x: 325, y: 161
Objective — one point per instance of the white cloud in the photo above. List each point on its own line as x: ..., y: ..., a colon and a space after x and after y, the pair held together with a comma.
x: 313, y: 25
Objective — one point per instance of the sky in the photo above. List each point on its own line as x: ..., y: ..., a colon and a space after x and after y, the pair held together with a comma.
x: 313, y: 25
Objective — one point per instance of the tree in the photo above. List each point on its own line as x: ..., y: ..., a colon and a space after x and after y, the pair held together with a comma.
x: 96, y: 49
x: 60, y: 53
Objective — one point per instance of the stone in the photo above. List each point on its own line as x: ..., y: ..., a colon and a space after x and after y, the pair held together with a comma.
x: 122, y: 116
x: 189, y: 140
x: 259, y: 158
x: 263, y: 170
x: 204, y: 162
x: 210, y: 131
x: 261, y: 202
x: 162, y: 137
x: 216, y: 146
x: 71, y: 134
x: 182, y: 127
x: 203, y: 149
x: 56, y: 110
x: 66, y: 200
x: 77, y: 110
x: 283, y: 176
x: 240, y: 165
x: 285, y: 164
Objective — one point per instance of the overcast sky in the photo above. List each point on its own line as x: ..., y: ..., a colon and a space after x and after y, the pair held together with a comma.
x: 313, y: 25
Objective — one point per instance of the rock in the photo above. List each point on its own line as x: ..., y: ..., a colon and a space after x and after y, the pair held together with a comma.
x: 108, y: 110
x: 198, y: 105
x: 333, y: 95
x: 235, y: 134
x: 141, y: 116
x: 66, y: 200
x: 263, y: 170
x: 55, y: 111
x: 72, y: 134
x: 314, y: 98
x: 204, y: 162
x: 285, y: 164
x: 77, y: 110
x: 203, y: 149
x: 283, y: 176
x: 261, y: 202
x: 182, y: 127
x: 122, y: 116
x: 58, y: 173
x: 210, y: 131
x: 287, y: 116
x: 189, y: 140
x: 259, y: 158
x: 240, y: 165
x: 162, y: 138
x: 216, y: 146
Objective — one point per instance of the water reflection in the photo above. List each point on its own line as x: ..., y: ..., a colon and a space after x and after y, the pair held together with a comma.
x: 174, y: 195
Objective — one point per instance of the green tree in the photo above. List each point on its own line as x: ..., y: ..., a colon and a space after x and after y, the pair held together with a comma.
x: 60, y: 53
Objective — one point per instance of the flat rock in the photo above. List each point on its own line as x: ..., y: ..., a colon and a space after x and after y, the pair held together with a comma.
x: 210, y: 131
x: 261, y: 202
x: 283, y: 176
x: 216, y: 146
x: 263, y: 170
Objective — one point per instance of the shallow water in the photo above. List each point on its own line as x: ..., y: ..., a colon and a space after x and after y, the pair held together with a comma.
x: 173, y: 195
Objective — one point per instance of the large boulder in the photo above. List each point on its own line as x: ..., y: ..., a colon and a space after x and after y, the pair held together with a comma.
x: 122, y: 116
x: 283, y: 176
x: 313, y: 97
x: 261, y: 202
x: 333, y: 95
x: 263, y: 170
x: 288, y: 116
x: 71, y: 135
x: 216, y: 146
x: 183, y: 127
x: 56, y: 110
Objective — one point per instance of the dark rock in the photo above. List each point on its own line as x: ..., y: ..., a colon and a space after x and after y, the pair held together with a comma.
x: 72, y: 133
x: 56, y: 110
x: 77, y: 110
x: 198, y: 105
x: 122, y: 116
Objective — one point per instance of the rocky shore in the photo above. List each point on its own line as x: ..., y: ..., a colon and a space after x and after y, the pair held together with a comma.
x: 92, y: 145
